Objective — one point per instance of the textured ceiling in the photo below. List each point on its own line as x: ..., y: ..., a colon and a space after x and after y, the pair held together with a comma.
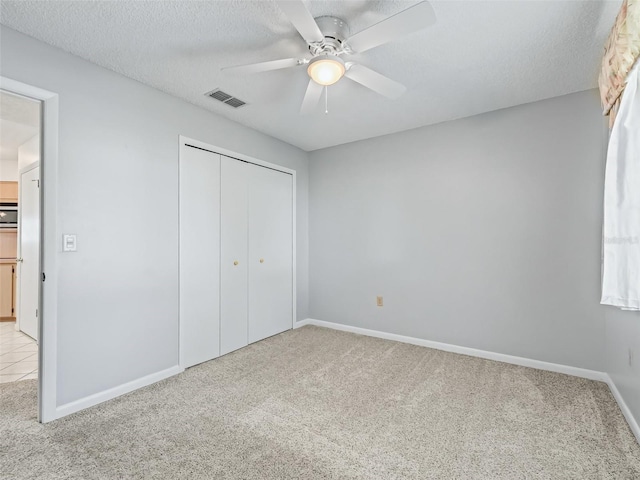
x: 19, y: 121
x: 479, y: 56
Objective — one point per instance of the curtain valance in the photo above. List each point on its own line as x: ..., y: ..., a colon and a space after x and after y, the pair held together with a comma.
x: 621, y: 52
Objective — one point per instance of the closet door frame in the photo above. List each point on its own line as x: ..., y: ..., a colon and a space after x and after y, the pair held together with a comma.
x: 186, y: 142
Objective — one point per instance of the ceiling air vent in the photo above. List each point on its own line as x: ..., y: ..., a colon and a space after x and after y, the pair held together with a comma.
x: 234, y: 102
x: 224, y: 97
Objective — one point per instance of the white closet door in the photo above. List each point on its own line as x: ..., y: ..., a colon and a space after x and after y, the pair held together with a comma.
x: 29, y: 244
x: 199, y: 256
x: 270, y: 252
x: 233, y: 268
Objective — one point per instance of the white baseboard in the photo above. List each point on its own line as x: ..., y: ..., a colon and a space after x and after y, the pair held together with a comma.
x: 633, y: 423
x: 499, y: 357
x: 473, y: 352
x: 302, y: 323
x: 96, y: 398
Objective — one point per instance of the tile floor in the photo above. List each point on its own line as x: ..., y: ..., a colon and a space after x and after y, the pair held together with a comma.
x: 18, y: 354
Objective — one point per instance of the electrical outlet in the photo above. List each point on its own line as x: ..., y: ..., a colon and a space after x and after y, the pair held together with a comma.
x: 379, y: 301
x: 630, y: 357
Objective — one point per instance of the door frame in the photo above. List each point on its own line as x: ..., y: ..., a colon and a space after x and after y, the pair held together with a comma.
x: 19, y: 264
x: 49, y: 244
x: 184, y: 141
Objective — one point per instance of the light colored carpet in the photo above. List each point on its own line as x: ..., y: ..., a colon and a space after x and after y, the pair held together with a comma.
x: 321, y: 404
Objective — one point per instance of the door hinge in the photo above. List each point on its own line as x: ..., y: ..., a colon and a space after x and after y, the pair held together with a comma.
x: 44, y: 277
x: 36, y: 313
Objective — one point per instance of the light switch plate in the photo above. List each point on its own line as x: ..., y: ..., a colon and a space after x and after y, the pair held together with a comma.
x: 69, y: 243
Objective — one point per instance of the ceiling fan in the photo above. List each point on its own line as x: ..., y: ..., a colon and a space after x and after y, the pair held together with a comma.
x: 328, y: 40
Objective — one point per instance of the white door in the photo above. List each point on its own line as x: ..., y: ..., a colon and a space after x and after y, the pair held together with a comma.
x: 199, y: 256
x: 233, y: 268
x: 29, y: 252
x: 270, y: 252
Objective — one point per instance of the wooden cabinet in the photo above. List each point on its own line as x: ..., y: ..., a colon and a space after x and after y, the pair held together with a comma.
x: 8, y: 252
x: 8, y: 192
x: 7, y: 290
x: 8, y: 243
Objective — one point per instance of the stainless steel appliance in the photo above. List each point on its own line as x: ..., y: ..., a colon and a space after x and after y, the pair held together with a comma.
x: 8, y: 215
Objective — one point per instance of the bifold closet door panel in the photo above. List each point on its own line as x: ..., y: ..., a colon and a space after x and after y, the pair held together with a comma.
x: 199, y: 256
x: 270, y: 252
x: 233, y: 256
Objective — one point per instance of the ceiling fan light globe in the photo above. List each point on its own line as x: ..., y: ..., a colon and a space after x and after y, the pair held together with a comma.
x: 326, y: 71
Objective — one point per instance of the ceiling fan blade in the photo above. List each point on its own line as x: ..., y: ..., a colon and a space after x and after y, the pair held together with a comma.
x: 311, y: 98
x: 302, y: 19
x: 263, y: 66
x: 408, y: 21
x: 375, y: 81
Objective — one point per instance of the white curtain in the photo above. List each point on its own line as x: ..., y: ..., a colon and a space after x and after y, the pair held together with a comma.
x: 621, y: 269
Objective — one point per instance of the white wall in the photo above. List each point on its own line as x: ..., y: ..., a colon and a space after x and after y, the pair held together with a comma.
x: 9, y: 168
x: 29, y: 152
x: 118, y: 191
x: 482, y: 232
x: 12, y: 162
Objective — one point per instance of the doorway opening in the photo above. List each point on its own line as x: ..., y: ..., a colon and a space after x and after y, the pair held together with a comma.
x: 20, y: 147
x: 47, y: 318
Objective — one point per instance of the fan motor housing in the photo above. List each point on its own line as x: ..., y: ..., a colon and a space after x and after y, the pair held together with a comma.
x: 335, y: 31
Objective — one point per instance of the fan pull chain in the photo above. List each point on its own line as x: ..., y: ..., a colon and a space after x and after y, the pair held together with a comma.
x: 326, y: 100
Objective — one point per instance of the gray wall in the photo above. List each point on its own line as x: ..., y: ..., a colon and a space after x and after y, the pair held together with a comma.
x: 482, y: 232
x: 623, y: 334
x: 118, y: 191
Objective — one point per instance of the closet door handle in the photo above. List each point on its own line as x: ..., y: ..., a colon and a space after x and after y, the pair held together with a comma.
x: 236, y: 262
x: 262, y: 260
